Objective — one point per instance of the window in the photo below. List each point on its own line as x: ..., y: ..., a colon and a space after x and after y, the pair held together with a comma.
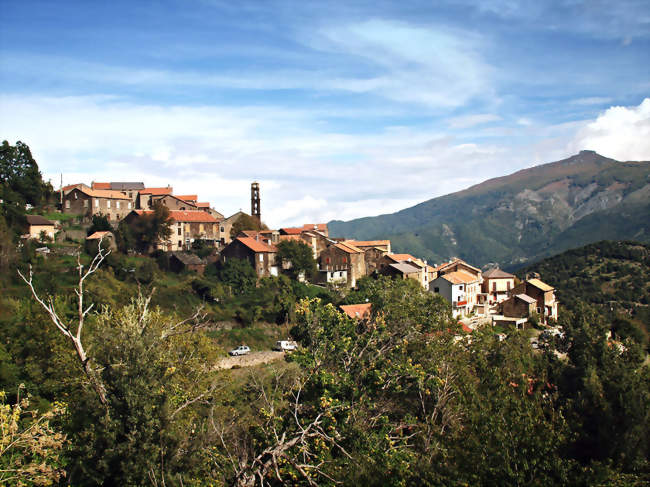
x: 261, y: 258
x: 128, y: 205
x: 436, y: 289
x: 67, y: 204
x: 179, y: 230
x: 96, y: 203
x: 494, y: 286
x: 117, y: 205
x: 85, y: 203
x: 327, y: 260
x: 460, y: 287
x: 508, y: 285
x: 223, y: 229
x: 108, y: 203
x: 180, y: 244
x: 76, y: 196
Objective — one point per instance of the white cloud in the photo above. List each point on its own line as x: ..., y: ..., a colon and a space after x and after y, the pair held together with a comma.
x: 592, y: 100
x: 622, y: 133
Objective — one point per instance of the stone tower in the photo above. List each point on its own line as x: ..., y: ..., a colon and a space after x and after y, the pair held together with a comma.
x: 255, y: 201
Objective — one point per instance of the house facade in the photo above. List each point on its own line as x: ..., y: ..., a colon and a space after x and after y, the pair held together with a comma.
x: 260, y: 255
x: 497, y: 285
x: 544, y: 296
x: 88, y: 202
x: 38, y: 226
x: 460, y: 288
x: 341, y: 257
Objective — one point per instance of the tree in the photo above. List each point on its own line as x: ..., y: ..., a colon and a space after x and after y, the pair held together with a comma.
x: 20, y: 181
x: 238, y: 274
x: 296, y: 258
x: 100, y: 223
x: 144, y: 231
x: 30, y: 447
x: 246, y: 222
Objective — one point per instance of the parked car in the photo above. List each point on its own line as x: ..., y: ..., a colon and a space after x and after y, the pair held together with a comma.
x: 240, y: 350
x: 285, y: 346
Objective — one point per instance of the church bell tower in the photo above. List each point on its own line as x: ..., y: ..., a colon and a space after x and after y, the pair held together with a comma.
x: 255, y: 201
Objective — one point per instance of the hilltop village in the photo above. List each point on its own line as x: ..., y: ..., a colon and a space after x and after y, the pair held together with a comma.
x: 494, y: 295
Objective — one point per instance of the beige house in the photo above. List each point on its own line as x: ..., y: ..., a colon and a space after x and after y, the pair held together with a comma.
x: 460, y: 288
x: 497, y: 285
x: 39, y: 226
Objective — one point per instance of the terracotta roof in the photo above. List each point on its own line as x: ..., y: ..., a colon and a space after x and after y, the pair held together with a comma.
x: 256, y: 246
x: 157, y: 191
x: 526, y: 298
x: 196, y: 216
x: 466, y: 328
x: 369, y: 243
x: 497, y: 273
x: 292, y: 231
x: 540, y: 285
x: 459, y: 277
x: 98, y: 235
x: 360, y: 311
x: 159, y: 197
x: 38, y: 220
x: 291, y: 237
x: 203, y: 204
x: 70, y: 187
x: 104, y: 193
x: 322, y: 227
x: 400, y: 257
x: 346, y: 247
x: 456, y: 260
x: 95, y: 185
x: 187, y: 197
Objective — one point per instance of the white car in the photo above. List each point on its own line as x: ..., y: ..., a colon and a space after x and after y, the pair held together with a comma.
x: 240, y: 350
x: 285, y: 346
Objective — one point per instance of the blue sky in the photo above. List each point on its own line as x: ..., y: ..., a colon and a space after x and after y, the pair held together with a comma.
x: 339, y: 109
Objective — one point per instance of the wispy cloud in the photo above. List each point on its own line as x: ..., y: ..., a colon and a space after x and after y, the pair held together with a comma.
x: 467, y: 121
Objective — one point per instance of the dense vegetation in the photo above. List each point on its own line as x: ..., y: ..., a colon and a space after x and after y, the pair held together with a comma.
x: 403, y: 398
x: 522, y: 217
x: 612, y: 276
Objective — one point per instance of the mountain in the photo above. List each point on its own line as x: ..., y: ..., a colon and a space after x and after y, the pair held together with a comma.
x: 522, y: 217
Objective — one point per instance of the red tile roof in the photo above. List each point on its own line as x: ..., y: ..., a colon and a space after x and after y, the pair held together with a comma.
x: 292, y: 231
x: 321, y: 227
x: 497, y: 273
x: 157, y: 191
x: 369, y: 243
x: 350, y: 249
x: 95, y: 185
x: 291, y: 237
x: 256, y: 246
x: 187, y: 197
x: 203, y: 204
x: 460, y: 277
x: 196, y: 216
x: 104, y: 193
x: 361, y: 311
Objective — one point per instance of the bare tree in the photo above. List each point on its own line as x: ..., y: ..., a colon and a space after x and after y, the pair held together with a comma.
x: 73, y: 330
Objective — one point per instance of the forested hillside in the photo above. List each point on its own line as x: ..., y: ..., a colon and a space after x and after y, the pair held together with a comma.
x: 613, y: 276
x: 521, y: 217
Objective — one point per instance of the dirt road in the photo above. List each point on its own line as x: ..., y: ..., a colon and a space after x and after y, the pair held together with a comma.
x: 253, y: 358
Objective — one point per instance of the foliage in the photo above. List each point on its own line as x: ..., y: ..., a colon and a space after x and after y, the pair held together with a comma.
x: 143, y: 232
x: 238, y: 274
x: 246, y: 222
x: 20, y: 182
x: 100, y: 223
x: 30, y: 447
x: 296, y: 258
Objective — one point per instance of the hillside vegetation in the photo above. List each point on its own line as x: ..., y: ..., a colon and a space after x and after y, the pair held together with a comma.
x: 612, y: 276
x: 521, y: 217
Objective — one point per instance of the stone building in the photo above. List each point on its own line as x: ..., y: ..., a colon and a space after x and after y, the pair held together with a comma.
x: 497, y: 285
x: 88, y: 202
x: 261, y: 256
x: 342, y: 257
x: 544, y: 296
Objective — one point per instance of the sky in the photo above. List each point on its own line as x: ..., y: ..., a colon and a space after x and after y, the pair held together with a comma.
x: 338, y: 109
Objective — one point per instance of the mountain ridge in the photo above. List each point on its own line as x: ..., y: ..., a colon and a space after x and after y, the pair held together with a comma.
x: 523, y: 216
